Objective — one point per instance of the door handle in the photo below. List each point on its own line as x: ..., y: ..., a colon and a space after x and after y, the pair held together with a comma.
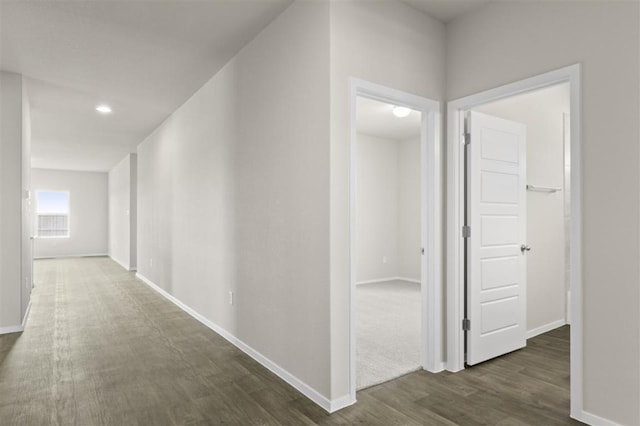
x: 524, y: 248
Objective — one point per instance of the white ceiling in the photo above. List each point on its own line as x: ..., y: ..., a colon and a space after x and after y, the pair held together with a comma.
x: 375, y: 118
x: 144, y: 58
x: 446, y: 10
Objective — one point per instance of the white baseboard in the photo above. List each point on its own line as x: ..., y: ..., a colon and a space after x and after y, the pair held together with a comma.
x: 26, y: 315
x: 17, y: 328
x: 382, y: 280
x: 66, y: 256
x: 592, y: 419
x: 315, y: 396
x: 544, y: 328
x: 439, y: 366
x: 340, y: 403
x: 11, y: 329
x: 125, y: 266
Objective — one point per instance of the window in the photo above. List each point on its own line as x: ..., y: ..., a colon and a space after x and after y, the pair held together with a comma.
x: 52, y: 214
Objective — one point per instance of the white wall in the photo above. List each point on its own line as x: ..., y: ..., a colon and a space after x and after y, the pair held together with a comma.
x: 15, y: 248
x: 11, y: 158
x: 409, y: 242
x: 122, y: 212
x: 387, y: 43
x: 233, y: 191
x: 377, y: 226
x: 542, y: 113
x: 388, y: 209
x: 27, y: 205
x: 508, y: 41
x: 566, y: 140
x: 233, y: 196
x: 133, y: 212
x: 88, y: 212
x: 119, y: 212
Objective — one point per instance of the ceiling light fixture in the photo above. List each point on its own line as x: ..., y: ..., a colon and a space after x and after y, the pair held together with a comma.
x: 105, y: 109
x: 401, y: 112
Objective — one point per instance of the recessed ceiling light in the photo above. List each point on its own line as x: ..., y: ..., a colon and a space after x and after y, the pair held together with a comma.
x: 105, y: 109
x: 401, y: 112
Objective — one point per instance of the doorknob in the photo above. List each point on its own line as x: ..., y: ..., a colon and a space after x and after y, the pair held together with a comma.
x: 524, y: 248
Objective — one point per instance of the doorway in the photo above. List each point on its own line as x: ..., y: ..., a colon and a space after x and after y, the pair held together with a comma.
x: 491, y: 230
x: 374, y: 277
x: 545, y: 114
x: 388, y: 243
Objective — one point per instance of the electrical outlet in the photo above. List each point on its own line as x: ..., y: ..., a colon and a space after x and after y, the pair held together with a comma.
x: 231, y: 297
x: 384, y: 259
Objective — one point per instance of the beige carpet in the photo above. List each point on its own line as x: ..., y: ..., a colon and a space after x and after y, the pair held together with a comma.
x: 388, y: 331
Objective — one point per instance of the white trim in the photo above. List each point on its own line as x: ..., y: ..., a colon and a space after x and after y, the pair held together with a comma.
x: 592, y: 419
x: 73, y: 256
x: 26, y: 315
x: 545, y: 328
x: 455, y: 247
x: 431, y: 212
x: 11, y: 329
x: 120, y: 263
x: 340, y: 403
x: 455, y: 255
x: 315, y: 396
x: 382, y: 280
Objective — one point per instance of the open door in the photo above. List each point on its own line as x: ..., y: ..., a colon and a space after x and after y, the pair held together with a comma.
x: 496, y: 245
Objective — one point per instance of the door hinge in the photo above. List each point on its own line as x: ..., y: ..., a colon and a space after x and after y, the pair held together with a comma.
x: 422, y: 250
x: 466, y: 324
x: 467, y: 138
x: 466, y: 231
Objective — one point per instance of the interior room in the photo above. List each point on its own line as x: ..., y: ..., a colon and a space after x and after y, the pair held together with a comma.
x: 518, y: 173
x: 80, y: 226
x: 545, y: 113
x: 180, y: 242
x: 388, y: 241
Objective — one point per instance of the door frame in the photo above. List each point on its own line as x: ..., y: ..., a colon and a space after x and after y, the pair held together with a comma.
x: 455, y: 217
x: 431, y: 221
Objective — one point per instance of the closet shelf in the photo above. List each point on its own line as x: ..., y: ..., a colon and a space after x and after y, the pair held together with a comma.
x: 543, y: 188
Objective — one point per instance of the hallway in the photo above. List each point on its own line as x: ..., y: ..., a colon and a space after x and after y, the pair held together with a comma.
x: 101, y: 347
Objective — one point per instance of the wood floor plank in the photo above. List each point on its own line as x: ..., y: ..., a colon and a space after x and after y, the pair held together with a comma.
x: 102, y: 348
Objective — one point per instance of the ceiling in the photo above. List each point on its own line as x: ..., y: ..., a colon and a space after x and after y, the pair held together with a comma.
x: 143, y: 58
x: 446, y: 10
x: 375, y: 118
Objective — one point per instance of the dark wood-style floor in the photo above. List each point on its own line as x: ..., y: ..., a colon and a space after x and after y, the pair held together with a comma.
x: 103, y: 348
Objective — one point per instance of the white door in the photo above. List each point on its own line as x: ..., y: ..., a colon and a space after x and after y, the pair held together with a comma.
x: 496, y: 246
